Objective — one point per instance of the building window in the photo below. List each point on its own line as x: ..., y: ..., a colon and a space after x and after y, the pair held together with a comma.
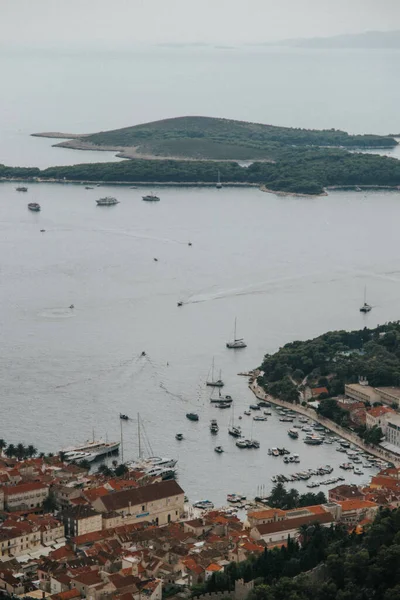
x: 143, y: 508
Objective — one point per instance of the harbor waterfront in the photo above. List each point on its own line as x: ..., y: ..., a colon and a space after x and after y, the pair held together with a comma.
x: 274, y: 263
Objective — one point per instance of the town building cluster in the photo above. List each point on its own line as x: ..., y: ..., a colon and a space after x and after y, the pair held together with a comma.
x: 67, y: 534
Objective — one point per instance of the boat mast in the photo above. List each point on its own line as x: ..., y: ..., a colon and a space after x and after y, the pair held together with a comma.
x: 212, y: 370
x: 365, y: 295
x: 234, y: 332
x: 138, y: 423
x: 122, y: 443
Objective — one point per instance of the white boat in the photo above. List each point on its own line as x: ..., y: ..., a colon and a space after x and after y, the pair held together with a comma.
x: 219, y: 184
x: 243, y: 443
x: 107, y: 201
x: 218, y: 449
x: 215, y: 382
x: 237, y: 342
x: 365, y: 307
x: 220, y: 398
x: 260, y: 418
x: 90, y: 451
x: 150, y: 198
x: 204, y: 504
x: 147, y: 463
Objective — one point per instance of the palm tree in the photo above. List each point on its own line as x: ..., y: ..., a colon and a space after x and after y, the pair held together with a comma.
x: 2, y: 446
x: 10, y: 451
x: 31, y: 451
x: 20, y: 451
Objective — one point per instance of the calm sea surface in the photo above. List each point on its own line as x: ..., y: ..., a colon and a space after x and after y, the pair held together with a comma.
x: 288, y: 268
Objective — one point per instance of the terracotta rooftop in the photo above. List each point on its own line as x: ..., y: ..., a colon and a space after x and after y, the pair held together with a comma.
x: 141, y: 495
x: 378, y: 411
x: 355, y: 504
x: 295, y: 523
x: 268, y: 513
x: 22, y: 488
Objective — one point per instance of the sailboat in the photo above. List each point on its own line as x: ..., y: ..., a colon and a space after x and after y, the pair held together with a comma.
x: 221, y: 399
x: 158, y: 466
x: 365, y: 307
x: 237, y: 342
x: 232, y: 429
x: 219, y: 184
x: 215, y: 382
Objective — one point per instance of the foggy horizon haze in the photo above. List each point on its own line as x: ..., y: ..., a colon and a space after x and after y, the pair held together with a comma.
x: 102, y: 24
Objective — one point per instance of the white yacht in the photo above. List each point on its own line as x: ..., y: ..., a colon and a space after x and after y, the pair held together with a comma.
x: 90, y: 451
x: 107, y: 201
x: 237, y: 342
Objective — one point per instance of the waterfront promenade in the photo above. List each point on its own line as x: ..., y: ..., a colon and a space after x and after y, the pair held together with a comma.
x: 312, y: 414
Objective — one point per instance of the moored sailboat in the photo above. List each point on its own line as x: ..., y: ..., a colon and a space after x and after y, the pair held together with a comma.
x: 365, y: 307
x: 214, y: 382
x: 237, y: 342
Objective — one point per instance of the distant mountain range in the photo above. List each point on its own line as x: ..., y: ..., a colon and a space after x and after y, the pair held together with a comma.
x: 369, y: 39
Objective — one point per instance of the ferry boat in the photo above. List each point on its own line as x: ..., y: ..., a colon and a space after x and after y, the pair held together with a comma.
x: 192, y: 416
x: 293, y: 433
x: 237, y: 342
x: 90, y: 451
x: 150, y: 198
x: 21, y: 188
x: 214, y: 426
x: 34, y: 206
x: 107, y: 201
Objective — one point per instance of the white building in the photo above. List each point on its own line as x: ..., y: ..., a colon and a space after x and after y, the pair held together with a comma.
x: 392, y: 431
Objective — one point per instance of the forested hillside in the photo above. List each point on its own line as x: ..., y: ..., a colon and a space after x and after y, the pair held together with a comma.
x: 333, y: 359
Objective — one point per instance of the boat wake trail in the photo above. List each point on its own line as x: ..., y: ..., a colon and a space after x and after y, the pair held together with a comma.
x: 169, y: 393
x: 138, y: 236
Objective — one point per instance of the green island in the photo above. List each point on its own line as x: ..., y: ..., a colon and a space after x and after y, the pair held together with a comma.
x: 331, y: 563
x: 191, y: 151
x: 211, y: 138
x: 307, y: 171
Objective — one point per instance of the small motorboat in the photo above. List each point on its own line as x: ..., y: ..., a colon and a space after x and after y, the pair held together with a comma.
x: 214, y: 426
x: 155, y: 259
x: 179, y: 303
x: 71, y: 306
x: 42, y: 230
x: 88, y: 187
x: 34, y: 206
x: 123, y: 417
x: 247, y: 412
x: 179, y: 437
x: 222, y: 404
x: 143, y: 353
x: 192, y: 416
x: 218, y: 449
x: 190, y: 243
x: 21, y: 188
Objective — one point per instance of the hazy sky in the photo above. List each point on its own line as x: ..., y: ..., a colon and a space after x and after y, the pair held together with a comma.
x: 120, y: 23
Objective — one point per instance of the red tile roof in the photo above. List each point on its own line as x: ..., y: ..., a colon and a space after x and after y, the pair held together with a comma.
x: 295, y: 523
x: 22, y: 488
x: 378, y: 411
